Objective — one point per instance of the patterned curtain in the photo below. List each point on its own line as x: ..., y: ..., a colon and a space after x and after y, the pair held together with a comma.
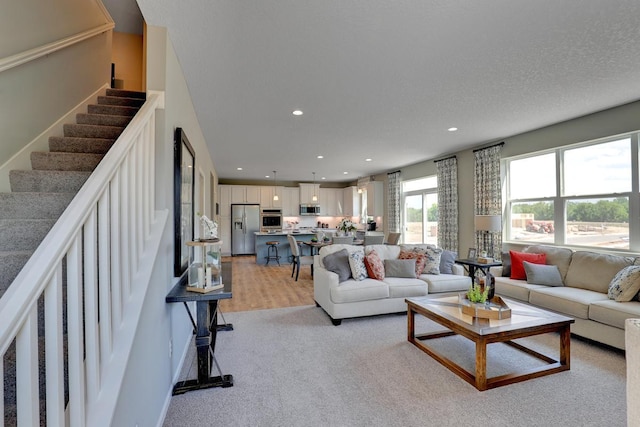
x: 448, y: 203
x: 488, y: 195
x: 394, y: 199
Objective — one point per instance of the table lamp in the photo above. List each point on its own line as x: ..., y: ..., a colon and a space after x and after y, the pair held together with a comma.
x: 490, y: 223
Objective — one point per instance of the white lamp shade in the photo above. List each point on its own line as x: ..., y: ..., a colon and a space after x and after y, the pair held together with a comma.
x: 488, y: 222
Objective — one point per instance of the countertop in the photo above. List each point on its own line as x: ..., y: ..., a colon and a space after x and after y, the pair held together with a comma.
x: 284, y: 233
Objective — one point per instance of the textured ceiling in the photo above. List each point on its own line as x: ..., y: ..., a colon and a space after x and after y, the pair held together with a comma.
x: 385, y: 79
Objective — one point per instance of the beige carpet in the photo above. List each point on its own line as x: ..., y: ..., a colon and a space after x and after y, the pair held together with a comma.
x: 292, y: 367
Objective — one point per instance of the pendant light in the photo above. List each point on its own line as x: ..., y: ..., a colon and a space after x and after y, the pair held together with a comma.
x: 275, y: 190
x: 314, y: 198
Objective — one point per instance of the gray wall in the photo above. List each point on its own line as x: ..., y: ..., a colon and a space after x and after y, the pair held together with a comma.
x: 147, y: 386
x: 36, y: 94
x: 622, y: 119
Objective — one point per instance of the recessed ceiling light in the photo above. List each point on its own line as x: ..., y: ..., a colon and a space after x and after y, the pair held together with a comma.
x: 239, y: 169
x: 345, y: 173
x: 320, y: 157
x: 297, y: 112
x: 452, y: 129
x: 367, y: 160
x: 267, y: 176
x: 324, y: 177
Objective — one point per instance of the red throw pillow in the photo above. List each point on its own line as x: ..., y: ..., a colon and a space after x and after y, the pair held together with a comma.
x: 517, y: 269
x: 375, y: 266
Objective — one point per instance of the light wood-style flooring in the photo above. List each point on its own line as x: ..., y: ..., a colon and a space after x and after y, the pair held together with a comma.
x: 257, y: 287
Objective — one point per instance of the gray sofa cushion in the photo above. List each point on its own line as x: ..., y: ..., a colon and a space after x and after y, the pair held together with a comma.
x: 563, y: 299
x: 447, y: 260
x: 560, y: 257
x: 613, y: 313
x: 542, y: 274
x: 593, y: 271
x: 400, y: 268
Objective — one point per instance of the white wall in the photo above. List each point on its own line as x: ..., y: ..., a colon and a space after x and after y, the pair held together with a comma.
x: 150, y: 374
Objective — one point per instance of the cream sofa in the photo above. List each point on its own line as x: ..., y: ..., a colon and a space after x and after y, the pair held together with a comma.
x: 586, y: 277
x: 353, y: 298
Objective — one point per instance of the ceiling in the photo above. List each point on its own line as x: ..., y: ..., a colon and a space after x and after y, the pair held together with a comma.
x: 384, y: 80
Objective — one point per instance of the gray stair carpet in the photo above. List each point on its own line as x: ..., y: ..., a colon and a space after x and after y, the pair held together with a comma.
x: 39, y: 196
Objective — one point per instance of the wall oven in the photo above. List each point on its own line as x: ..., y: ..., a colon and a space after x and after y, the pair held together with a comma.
x: 271, y: 219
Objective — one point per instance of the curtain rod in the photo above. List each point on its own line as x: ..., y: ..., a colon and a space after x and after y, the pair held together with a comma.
x: 446, y: 158
x: 491, y: 146
x: 398, y: 171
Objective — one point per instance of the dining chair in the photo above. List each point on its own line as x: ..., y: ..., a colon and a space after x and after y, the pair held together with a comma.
x: 393, y: 238
x: 298, y: 259
x: 373, y: 240
x: 344, y: 240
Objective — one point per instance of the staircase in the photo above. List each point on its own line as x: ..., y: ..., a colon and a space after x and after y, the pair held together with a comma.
x: 39, y: 196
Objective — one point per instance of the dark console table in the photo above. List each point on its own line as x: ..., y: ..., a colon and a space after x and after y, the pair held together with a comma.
x: 472, y: 265
x: 206, y: 328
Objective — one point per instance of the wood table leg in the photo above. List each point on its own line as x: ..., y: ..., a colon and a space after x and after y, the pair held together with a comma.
x: 565, y: 346
x: 481, y: 365
x: 411, y: 318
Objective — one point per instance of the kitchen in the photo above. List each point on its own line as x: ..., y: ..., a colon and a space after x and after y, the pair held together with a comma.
x: 296, y: 211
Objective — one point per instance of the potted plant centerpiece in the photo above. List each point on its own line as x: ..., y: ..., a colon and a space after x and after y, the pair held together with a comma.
x: 346, y: 226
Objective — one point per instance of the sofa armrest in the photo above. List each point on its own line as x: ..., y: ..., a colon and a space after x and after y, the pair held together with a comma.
x: 632, y: 344
x: 496, y: 271
x: 323, y: 281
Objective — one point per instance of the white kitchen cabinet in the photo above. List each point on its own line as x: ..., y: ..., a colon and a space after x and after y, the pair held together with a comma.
x: 266, y: 197
x: 245, y: 194
x: 290, y: 201
x: 224, y: 192
x: 306, y: 194
x: 351, y: 202
x: 224, y: 233
x: 331, y: 202
x: 375, y: 199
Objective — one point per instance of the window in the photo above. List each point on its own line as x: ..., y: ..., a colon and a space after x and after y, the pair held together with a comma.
x: 578, y: 195
x: 420, y: 216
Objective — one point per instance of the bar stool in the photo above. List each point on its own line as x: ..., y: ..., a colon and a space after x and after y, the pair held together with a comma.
x: 272, y: 252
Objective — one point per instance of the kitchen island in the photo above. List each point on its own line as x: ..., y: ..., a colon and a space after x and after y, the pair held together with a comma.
x: 283, y: 248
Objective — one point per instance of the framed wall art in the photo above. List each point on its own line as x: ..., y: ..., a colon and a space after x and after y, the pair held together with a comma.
x: 183, y: 190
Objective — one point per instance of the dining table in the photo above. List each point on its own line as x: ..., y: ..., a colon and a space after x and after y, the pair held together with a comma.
x: 314, y: 247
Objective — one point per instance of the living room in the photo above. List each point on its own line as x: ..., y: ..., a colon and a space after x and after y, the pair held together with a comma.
x: 434, y: 394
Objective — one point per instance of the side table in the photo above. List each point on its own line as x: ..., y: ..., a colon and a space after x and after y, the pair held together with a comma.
x: 206, y: 329
x: 472, y: 265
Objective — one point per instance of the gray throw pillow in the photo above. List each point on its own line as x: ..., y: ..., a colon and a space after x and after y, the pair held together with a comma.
x: 542, y: 274
x: 338, y: 262
x: 447, y: 259
x: 400, y: 268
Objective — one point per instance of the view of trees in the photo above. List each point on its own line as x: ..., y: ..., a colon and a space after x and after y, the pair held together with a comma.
x: 616, y: 210
x: 415, y: 214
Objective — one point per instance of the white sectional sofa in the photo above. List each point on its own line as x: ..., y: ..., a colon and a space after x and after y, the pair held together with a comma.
x: 356, y: 298
x: 583, y: 293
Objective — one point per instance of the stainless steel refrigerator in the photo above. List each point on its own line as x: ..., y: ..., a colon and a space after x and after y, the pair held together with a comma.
x: 245, y: 221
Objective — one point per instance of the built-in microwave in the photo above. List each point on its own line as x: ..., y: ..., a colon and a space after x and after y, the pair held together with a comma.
x: 271, y: 219
x: 310, y: 209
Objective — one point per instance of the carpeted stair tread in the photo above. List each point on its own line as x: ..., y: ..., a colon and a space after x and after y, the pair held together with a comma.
x: 47, y: 181
x: 47, y: 160
x: 120, y: 100
x: 115, y: 110
x: 102, y: 119
x: 80, y: 145
x: 23, y: 234
x: 92, y: 131
x: 27, y: 205
x: 126, y: 93
x: 11, y: 262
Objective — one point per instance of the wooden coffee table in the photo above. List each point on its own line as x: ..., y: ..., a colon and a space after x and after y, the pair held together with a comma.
x: 525, y: 321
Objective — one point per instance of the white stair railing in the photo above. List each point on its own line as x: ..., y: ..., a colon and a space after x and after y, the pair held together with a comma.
x: 105, y: 242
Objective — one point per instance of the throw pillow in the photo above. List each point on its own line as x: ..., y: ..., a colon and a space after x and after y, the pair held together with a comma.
x: 447, y: 260
x: 517, y: 269
x: 338, y: 262
x: 375, y: 266
x: 506, y: 264
x: 421, y: 260
x: 356, y: 263
x: 433, y: 255
x: 542, y: 274
x: 625, y: 285
x: 400, y: 268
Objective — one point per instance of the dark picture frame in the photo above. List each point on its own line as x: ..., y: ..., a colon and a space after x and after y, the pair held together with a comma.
x: 183, y: 197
